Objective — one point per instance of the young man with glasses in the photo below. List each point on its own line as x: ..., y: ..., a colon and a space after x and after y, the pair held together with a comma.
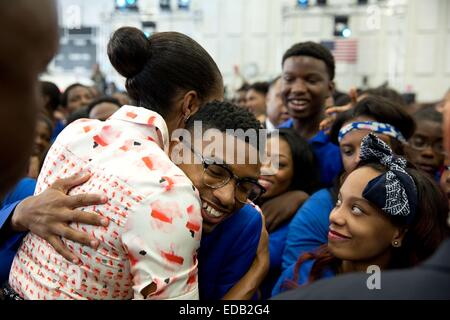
x: 233, y: 258
x: 231, y: 224
x: 425, y: 148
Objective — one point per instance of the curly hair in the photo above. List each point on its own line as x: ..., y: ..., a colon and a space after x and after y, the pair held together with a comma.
x: 315, y: 50
x: 223, y: 115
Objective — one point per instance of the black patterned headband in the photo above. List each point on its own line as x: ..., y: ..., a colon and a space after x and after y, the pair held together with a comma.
x: 394, y: 192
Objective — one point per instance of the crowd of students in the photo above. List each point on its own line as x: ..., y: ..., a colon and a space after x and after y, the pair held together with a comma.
x: 97, y: 206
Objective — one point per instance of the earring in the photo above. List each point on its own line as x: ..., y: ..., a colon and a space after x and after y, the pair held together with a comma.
x: 186, y: 118
x: 396, y: 244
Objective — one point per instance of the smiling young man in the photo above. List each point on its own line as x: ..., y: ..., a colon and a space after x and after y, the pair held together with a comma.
x: 227, y: 182
x: 307, y: 81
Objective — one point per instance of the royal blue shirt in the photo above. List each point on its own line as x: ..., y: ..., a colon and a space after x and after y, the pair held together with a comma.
x: 226, y: 254
x: 10, y: 245
x: 23, y: 189
x: 277, y: 241
x: 59, y: 126
x: 308, y: 229
x: 326, y: 152
x: 303, y: 275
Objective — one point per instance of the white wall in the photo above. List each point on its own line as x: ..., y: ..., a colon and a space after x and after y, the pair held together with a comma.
x: 407, y: 42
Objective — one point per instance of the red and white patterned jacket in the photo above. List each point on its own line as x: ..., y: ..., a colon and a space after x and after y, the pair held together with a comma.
x: 154, y: 211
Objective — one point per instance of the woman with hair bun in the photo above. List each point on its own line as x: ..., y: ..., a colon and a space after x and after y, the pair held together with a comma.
x: 152, y: 217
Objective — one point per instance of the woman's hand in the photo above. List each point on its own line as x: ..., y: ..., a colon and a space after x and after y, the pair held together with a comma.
x: 281, y: 208
x: 49, y: 214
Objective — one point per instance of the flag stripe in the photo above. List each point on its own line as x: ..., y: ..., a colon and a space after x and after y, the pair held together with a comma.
x: 343, y: 50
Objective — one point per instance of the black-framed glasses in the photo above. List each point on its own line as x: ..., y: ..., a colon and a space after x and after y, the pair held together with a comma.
x: 216, y: 175
x: 421, y: 143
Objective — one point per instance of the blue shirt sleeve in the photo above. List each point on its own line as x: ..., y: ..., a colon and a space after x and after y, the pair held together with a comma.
x: 228, y: 252
x: 241, y: 256
x: 308, y: 229
x: 277, y: 241
x: 288, y: 275
x: 9, y: 245
x: 24, y: 188
x: 6, y: 212
x: 329, y: 157
x: 285, y: 282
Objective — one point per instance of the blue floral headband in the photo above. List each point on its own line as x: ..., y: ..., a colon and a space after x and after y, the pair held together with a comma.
x: 377, y: 127
x: 394, y: 192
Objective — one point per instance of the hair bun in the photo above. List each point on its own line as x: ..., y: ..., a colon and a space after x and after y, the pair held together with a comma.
x: 128, y: 51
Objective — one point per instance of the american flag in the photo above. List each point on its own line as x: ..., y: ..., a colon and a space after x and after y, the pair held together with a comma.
x: 343, y: 50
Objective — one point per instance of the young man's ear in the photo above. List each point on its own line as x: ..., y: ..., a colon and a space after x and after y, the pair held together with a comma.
x: 331, y: 87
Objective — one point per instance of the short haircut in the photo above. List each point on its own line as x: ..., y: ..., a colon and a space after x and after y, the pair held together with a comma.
x: 225, y: 115
x: 261, y: 87
x: 315, y: 50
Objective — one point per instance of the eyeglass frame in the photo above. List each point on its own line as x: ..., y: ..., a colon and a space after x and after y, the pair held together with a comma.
x: 231, y: 175
x: 428, y: 144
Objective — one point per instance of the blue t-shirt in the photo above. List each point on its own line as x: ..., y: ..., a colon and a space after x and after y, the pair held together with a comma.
x: 59, y: 126
x: 277, y: 241
x: 10, y: 245
x: 326, y: 152
x: 308, y: 229
x: 303, y: 275
x: 226, y: 254
x: 23, y: 189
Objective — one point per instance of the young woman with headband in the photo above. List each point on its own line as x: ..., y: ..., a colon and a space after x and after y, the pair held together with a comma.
x: 387, y: 215
x: 309, y: 228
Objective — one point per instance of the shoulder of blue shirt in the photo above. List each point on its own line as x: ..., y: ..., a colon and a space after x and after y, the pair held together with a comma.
x: 320, y: 137
x: 227, y: 253
x: 303, y: 275
x: 24, y: 188
x: 308, y: 228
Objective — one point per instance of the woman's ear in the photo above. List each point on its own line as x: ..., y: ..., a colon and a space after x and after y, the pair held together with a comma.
x: 187, y: 104
x: 398, y: 237
x: 191, y: 104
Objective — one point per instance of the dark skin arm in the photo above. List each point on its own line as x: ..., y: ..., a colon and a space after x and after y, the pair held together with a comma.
x: 49, y: 214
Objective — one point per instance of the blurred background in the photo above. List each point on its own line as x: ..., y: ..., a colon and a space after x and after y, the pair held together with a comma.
x: 404, y: 44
